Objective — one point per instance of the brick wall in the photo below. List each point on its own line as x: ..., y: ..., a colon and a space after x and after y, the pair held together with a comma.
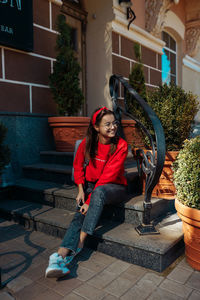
x: 123, y: 60
x: 23, y: 75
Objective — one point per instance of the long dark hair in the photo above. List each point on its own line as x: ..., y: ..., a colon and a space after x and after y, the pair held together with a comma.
x: 92, y: 135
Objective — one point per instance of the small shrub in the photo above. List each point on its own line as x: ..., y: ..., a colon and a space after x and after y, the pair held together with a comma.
x: 187, y: 173
x: 137, y: 81
x: 4, y: 150
x: 64, y: 81
x: 176, y: 110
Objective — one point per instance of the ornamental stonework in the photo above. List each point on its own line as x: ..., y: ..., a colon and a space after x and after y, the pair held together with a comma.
x: 155, y: 14
x: 192, y: 39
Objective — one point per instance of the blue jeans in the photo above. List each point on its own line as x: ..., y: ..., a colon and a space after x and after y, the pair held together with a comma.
x: 104, y: 194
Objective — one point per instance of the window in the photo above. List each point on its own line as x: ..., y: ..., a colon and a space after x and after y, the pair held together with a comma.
x: 169, y: 59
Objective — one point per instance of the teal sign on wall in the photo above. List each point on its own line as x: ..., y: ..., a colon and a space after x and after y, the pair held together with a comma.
x: 16, y: 24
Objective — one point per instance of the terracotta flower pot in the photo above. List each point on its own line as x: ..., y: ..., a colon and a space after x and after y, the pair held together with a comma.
x: 191, y: 229
x: 165, y: 188
x: 66, y: 130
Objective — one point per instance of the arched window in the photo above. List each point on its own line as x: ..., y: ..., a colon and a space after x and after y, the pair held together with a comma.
x: 169, y: 59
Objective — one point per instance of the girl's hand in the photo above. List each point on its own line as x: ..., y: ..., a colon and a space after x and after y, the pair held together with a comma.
x: 80, y: 196
x: 84, y: 209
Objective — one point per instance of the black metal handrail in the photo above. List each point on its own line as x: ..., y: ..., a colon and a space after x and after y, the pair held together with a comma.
x: 152, y: 162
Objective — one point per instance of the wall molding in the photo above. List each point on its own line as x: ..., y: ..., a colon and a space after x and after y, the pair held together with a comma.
x: 57, y: 2
x: 24, y: 83
x: 174, y: 22
x: 28, y: 53
x: 45, y: 28
x: 191, y: 63
x: 138, y: 35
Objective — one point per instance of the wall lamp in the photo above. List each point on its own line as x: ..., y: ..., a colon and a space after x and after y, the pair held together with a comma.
x: 130, y: 13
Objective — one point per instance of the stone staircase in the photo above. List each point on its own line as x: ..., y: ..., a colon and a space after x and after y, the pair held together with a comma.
x: 44, y: 200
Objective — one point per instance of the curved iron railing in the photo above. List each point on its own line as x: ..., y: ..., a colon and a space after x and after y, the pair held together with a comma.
x: 152, y: 162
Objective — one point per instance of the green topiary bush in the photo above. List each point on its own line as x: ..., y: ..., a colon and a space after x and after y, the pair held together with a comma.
x: 4, y: 150
x: 137, y: 81
x: 64, y: 82
x: 187, y: 173
x: 176, y: 110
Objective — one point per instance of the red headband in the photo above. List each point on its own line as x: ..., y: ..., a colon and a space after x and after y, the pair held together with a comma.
x: 96, y: 114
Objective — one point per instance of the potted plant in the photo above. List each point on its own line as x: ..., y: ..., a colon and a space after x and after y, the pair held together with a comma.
x: 187, y: 181
x: 4, y: 150
x: 176, y: 110
x: 64, y: 83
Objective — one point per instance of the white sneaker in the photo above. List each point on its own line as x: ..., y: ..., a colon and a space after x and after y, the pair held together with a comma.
x: 57, y: 267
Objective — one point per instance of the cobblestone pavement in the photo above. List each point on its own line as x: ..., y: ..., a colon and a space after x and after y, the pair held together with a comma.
x: 94, y: 276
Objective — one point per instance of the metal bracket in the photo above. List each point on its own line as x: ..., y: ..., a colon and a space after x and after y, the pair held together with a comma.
x: 146, y: 229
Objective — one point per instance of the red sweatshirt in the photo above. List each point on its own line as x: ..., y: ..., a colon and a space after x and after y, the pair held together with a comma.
x: 104, y: 168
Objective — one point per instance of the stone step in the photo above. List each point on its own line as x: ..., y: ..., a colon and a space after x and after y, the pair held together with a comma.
x: 62, y: 174
x: 65, y: 158
x: 49, y: 172
x: 63, y: 197
x: 55, y: 157
x: 120, y: 240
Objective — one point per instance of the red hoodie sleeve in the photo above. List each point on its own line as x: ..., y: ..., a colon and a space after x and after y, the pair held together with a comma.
x: 113, y: 167
x: 78, y: 164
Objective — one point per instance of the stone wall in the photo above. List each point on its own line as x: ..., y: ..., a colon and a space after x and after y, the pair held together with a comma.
x: 27, y: 135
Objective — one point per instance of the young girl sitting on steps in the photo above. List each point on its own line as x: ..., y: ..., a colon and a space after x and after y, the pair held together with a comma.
x: 101, y: 182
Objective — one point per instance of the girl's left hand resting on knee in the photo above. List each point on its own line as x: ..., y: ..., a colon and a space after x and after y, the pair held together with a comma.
x: 84, y: 209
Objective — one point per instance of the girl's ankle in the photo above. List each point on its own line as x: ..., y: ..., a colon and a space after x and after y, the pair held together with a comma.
x: 63, y: 252
x: 80, y: 245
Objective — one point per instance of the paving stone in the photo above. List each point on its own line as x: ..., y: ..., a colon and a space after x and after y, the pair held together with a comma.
x: 183, y: 264
x: 136, y: 293
x: 72, y: 296
x: 144, y: 287
x: 89, y: 292
x: 16, y: 269
x: 36, y: 273
x: 133, y: 273
x: 110, y: 297
x: 150, y: 280
x: 82, y: 273
x: 160, y: 294
x: 19, y: 283
x: 180, y: 275
x: 5, y: 276
x: 194, y: 296
x: 6, y: 296
x: 102, y: 258
x: 176, y: 288
x: 38, y: 261
x: 30, y: 292
x: 93, y: 265
x: 102, y: 279
x: 119, y: 286
x: 194, y: 280
x: 65, y: 285
x: 48, y: 294
x: 118, y: 267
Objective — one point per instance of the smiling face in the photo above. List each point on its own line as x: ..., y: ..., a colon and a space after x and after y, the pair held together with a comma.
x: 107, y: 128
